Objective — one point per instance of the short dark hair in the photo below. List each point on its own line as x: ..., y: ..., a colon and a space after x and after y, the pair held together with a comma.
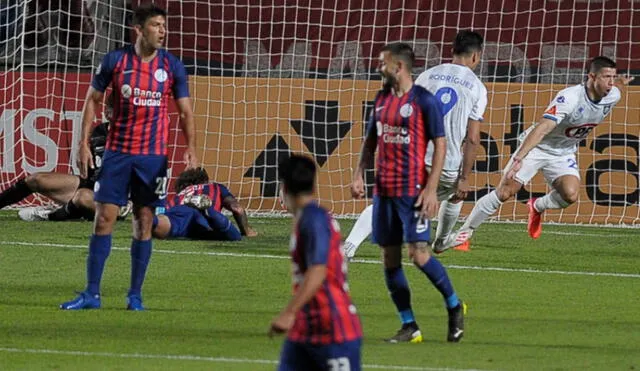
x: 601, y: 62
x: 467, y: 42
x: 142, y: 13
x: 191, y: 177
x: 298, y: 174
x: 401, y: 51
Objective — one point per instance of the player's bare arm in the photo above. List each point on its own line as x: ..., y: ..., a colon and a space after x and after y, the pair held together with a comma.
x: 240, y: 215
x: 367, y: 156
x: 188, y: 127
x: 85, y: 159
x: 469, y: 150
x: 311, y: 282
x: 428, y: 200
x: 544, y: 127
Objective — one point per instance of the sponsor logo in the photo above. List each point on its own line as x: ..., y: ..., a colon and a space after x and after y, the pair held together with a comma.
x: 393, y: 134
x: 579, y: 132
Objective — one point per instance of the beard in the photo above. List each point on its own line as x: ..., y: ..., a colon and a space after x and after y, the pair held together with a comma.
x: 388, y: 83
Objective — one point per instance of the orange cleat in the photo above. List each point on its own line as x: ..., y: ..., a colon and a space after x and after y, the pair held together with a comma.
x: 534, y: 224
x: 465, y: 246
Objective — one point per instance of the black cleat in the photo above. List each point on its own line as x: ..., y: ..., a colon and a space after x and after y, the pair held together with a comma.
x: 456, y: 322
x: 409, y: 333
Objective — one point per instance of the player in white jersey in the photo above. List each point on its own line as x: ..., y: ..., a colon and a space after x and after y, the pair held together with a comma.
x: 464, y: 98
x: 550, y: 146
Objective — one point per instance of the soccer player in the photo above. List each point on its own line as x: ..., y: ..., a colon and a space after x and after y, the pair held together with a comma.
x: 323, y: 329
x: 463, y: 99
x: 73, y: 192
x: 550, y: 146
x: 195, y: 211
x: 405, y: 118
x: 142, y: 77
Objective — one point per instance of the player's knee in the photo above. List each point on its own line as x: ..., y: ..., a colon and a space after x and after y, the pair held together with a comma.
x: 33, y: 181
x: 505, y: 191
x: 83, y: 198
x: 570, y: 195
x: 419, y: 253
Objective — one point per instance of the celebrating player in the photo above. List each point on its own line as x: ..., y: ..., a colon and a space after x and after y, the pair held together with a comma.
x: 550, y: 146
x: 194, y: 212
x: 323, y: 330
x: 405, y: 118
x: 464, y: 98
x: 142, y: 77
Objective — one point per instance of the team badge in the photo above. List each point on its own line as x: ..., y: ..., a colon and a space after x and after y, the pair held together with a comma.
x: 160, y: 75
x: 125, y: 90
x: 406, y: 110
x: 551, y: 111
x: 560, y: 99
x: 606, y: 109
x: 96, y: 187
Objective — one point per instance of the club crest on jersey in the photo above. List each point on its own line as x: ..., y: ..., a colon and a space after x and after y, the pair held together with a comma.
x: 160, y: 75
x: 406, y: 110
x: 560, y: 99
x: 125, y: 91
x: 606, y: 109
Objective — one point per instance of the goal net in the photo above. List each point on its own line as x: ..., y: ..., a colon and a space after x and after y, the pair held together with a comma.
x: 277, y: 76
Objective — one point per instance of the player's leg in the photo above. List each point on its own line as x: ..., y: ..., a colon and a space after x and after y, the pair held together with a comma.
x: 161, y: 226
x: 58, y: 187
x: 448, y: 212
x: 386, y: 225
x: 343, y: 356
x: 361, y: 230
x: 221, y: 228
x: 80, y: 206
x: 294, y: 357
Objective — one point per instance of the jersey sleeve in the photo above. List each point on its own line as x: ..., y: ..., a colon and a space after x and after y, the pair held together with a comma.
x: 477, y: 111
x: 316, y: 234
x: 432, y: 115
x: 104, y: 72
x: 224, y: 192
x: 180, y: 79
x: 561, y: 106
x: 372, y: 130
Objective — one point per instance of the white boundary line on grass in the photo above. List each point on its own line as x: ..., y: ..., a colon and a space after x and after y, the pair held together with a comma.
x: 363, y: 261
x: 186, y: 357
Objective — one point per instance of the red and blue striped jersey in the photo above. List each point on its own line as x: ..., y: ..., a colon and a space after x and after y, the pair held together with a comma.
x: 140, y: 124
x: 330, y: 316
x: 402, y: 127
x: 216, y: 192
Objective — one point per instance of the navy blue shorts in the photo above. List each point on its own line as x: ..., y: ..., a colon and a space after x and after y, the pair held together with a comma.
x: 122, y: 176
x: 301, y: 356
x: 186, y: 222
x: 396, y: 220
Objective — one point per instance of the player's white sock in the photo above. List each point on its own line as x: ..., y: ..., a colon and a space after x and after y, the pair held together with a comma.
x: 485, y: 207
x: 361, y: 229
x: 447, y: 218
x: 551, y: 200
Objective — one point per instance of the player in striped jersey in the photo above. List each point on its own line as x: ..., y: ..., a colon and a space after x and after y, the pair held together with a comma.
x: 323, y: 329
x: 142, y: 76
x: 405, y: 118
x: 195, y: 211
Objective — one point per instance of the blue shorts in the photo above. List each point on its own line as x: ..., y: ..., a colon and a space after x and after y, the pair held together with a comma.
x: 186, y: 222
x: 122, y: 176
x: 301, y: 356
x: 396, y: 220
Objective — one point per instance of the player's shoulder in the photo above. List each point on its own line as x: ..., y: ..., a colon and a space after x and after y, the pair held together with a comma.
x: 314, y: 214
x: 117, y: 54
x: 173, y: 60
x: 423, y: 96
x: 569, y: 96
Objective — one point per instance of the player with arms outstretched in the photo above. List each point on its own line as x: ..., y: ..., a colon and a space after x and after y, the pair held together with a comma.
x: 323, y: 329
x: 550, y: 146
x: 463, y: 99
x: 405, y: 118
x: 142, y: 76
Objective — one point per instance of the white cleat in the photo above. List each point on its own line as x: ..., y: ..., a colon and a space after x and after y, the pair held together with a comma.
x: 125, y: 210
x: 34, y: 214
x: 456, y: 239
x: 349, y: 250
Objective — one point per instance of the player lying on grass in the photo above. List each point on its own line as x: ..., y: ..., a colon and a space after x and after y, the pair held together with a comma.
x: 194, y: 212
x: 74, y: 193
x: 550, y: 146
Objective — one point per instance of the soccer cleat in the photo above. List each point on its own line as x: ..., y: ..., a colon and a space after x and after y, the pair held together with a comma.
x: 459, y: 238
x: 200, y: 202
x: 456, y: 322
x: 34, y: 214
x: 349, y: 250
x: 125, y: 210
x: 534, y: 224
x: 409, y: 333
x: 83, y: 301
x: 466, y: 246
x: 134, y: 302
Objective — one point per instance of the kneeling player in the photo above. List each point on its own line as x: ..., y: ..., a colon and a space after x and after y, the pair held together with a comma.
x: 323, y: 329
x: 194, y: 212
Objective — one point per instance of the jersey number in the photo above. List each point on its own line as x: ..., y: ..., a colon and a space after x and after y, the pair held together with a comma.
x: 161, y: 186
x: 339, y: 364
x: 448, y: 98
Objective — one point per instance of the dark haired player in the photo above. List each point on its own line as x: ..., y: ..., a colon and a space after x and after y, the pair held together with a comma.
x: 322, y: 327
x: 142, y: 76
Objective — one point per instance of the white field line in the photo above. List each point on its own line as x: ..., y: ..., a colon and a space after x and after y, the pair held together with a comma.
x: 362, y: 261
x: 187, y: 357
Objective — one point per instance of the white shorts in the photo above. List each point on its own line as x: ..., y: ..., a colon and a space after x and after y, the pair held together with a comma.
x: 447, y: 185
x: 552, y: 166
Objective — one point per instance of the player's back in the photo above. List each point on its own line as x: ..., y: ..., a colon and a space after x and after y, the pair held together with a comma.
x: 215, y: 191
x: 330, y: 316
x: 462, y: 96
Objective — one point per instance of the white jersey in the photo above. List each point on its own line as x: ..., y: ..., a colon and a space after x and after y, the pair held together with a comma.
x: 463, y: 97
x: 575, y: 115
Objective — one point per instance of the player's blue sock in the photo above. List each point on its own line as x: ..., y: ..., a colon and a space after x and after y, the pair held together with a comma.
x: 140, y: 255
x: 438, y: 276
x: 99, y: 249
x: 400, y: 293
x: 222, y: 225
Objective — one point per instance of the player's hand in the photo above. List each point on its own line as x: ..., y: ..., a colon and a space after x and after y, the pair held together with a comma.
x: 516, y: 163
x: 190, y: 158
x: 462, y: 190
x: 428, y: 204
x: 357, y: 187
x: 85, y: 160
x: 624, y: 80
x: 282, y: 323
